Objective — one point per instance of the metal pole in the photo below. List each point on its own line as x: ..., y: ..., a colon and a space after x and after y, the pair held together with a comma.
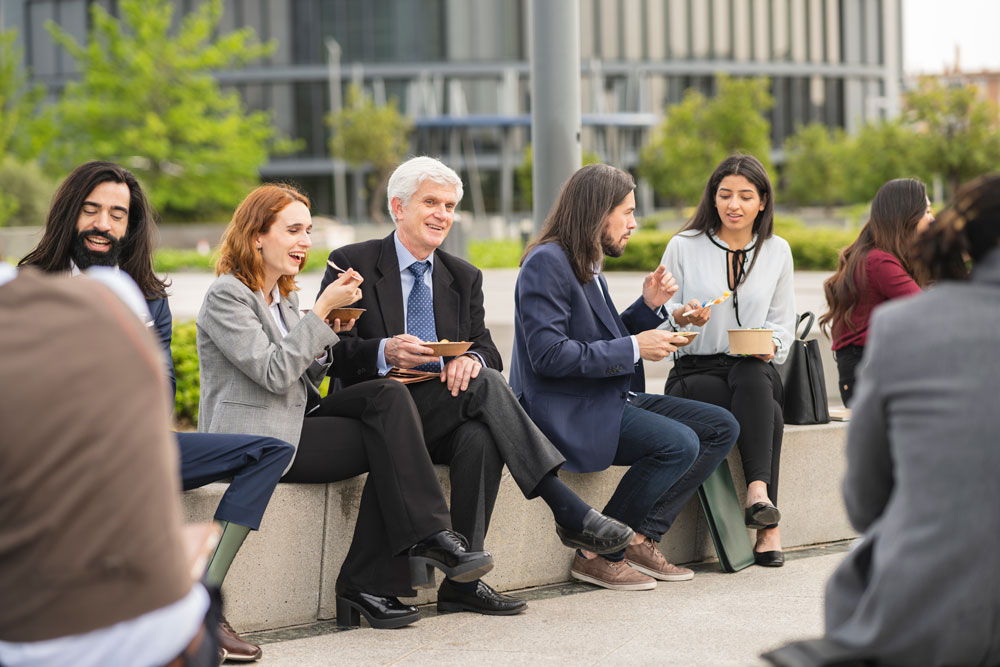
x: 555, y: 99
x: 336, y: 104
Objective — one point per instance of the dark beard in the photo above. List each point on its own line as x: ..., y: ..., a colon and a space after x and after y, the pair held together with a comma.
x: 84, y: 257
x: 609, y: 247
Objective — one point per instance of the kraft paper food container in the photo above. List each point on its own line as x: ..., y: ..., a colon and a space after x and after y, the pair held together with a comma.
x: 750, y: 341
x: 447, y: 348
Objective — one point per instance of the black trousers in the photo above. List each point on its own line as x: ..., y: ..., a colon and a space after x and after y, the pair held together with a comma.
x: 750, y: 389
x: 374, y: 427
x: 475, y: 434
x: 848, y: 358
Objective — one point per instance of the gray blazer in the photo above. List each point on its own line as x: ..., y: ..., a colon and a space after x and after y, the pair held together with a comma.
x: 253, y: 380
x: 922, y: 587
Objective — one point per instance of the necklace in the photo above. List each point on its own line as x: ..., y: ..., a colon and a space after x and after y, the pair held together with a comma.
x: 736, y: 271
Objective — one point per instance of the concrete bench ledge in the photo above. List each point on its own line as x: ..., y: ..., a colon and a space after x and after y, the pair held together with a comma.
x: 285, y: 573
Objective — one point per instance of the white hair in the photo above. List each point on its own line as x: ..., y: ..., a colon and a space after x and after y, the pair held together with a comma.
x: 406, y: 180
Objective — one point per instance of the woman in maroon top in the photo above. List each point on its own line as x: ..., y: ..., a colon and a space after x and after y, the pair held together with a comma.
x: 873, y: 269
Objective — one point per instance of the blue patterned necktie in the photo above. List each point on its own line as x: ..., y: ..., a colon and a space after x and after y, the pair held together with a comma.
x: 420, y: 311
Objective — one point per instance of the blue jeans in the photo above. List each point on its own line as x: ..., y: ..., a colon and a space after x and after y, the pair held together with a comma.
x: 672, y: 445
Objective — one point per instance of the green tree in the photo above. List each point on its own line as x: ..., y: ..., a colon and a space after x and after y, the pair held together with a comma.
x: 959, y: 132
x: 24, y: 190
x: 524, y: 172
x: 699, y: 132
x: 816, y: 168
x: 880, y: 152
x: 18, y: 101
x: 366, y: 133
x: 147, y: 99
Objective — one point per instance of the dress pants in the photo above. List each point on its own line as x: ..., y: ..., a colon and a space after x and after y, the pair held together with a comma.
x: 671, y: 445
x: 374, y: 427
x: 751, y: 389
x: 476, y: 433
x: 255, y: 464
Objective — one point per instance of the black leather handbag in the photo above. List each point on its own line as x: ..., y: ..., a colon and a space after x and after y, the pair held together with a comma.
x: 803, y: 380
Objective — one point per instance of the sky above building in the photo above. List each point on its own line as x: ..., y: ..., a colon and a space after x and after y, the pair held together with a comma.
x: 932, y: 29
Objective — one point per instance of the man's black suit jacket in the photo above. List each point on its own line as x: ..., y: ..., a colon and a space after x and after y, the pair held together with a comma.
x: 458, y: 306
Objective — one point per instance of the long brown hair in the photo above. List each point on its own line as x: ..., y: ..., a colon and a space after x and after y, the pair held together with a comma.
x: 967, y: 230
x: 53, y: 252
x: 896, y: 209
x: 238, y: 253
x: 577, y: 218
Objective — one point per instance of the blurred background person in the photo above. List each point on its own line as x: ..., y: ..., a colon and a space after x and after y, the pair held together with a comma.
x: 875, y: 268
x: 729, y: 246
x: 93, y: 570
x: 921, y: 586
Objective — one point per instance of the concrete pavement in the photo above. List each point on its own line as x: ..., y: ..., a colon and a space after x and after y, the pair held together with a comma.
x: 715, y: 620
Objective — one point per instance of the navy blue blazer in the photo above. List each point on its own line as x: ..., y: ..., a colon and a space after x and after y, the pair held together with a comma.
x: 163, y: 322
x: 572, y: 364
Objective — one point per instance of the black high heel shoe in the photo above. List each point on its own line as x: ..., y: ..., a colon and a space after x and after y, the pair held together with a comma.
x: 381, y: 611
x: 447, y: 551
x: 761, y: 515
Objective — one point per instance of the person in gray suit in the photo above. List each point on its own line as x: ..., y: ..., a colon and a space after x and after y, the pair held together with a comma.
x: 261, y: 363
x: 922, y: 587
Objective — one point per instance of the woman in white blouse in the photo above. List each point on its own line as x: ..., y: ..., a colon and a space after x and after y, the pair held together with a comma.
x: 729, y: 246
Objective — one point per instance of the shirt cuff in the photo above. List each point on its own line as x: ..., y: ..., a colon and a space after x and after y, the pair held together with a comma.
x: 635, y: 349
x: 478, y: 357
x: 383, y: 367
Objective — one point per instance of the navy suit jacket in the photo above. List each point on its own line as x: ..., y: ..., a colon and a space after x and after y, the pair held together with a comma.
x: 163, y: 322
x: 572, y: 364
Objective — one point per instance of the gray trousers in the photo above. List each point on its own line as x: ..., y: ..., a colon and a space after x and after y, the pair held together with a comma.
x: 476, y: 433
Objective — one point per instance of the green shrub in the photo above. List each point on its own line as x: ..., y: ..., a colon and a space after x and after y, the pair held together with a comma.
x: 25, y: 193
x: 813, y: 248
x: 184, y: 351
x: 171, y: 260
x: 499, y: 254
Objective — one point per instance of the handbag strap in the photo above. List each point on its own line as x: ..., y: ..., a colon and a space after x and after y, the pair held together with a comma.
x: 812, y: 318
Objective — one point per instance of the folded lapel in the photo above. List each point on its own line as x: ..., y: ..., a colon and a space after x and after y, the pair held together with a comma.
x: 596, y: 298
x: 611, y: 306
x: 389, y: 289
x: 446, y: 301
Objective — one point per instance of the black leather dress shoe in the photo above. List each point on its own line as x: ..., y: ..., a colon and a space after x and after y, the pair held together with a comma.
x: 769, y: 558
x: 381, y: 611
x: 762, y: 515
x: 484, y: 600
x: 601, y: 534
x: 447, y: 551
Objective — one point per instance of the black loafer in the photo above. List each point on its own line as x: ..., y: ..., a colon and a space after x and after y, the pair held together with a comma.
x: 447, y: 551
x: 381, y: 611
x: 601, y: 534
x: 762, y: 515
x: 484, y: 600
x: 769, y: 558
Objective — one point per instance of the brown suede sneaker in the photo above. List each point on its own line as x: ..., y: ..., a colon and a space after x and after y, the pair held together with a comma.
x: 616, y: 576
x: 646, y: 558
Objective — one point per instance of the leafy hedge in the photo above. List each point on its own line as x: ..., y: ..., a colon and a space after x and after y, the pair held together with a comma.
x: 184, y: 350
x: 814, y: 248
x: 484, y: 254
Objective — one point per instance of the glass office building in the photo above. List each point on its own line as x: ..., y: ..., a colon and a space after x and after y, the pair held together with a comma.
x: 460, y: 69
